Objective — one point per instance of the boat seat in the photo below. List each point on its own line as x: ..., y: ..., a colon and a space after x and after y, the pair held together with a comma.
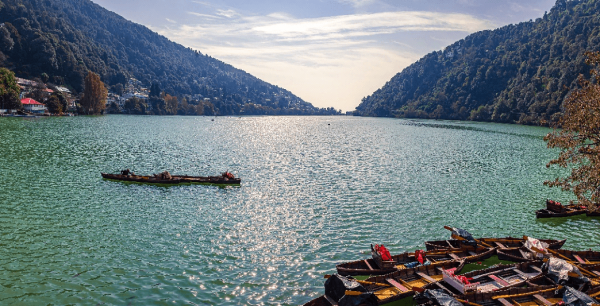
x: 499, y: 280
x: 504, y: 302
x: 397, y: 285
x: 542, y: 299
x: 523, y: 274
x: 453, y: 256
x: 500, y: 245
x: 579, y: 258
x: 536, y: 268
x: 426, y: 277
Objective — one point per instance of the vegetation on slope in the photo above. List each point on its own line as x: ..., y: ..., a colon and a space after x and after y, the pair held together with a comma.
x: 59, y: 41
x: 515, y: 74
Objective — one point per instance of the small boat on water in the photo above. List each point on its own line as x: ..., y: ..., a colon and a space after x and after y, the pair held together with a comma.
x: 225, y: 178
x: 384, y: 288
x: 377, y: 266
x: 496, y: 278
x: 508, y: 242
x: 556, y: 209
x: 518, y: 296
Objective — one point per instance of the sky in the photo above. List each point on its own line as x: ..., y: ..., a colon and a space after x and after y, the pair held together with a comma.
x: 331, y: 53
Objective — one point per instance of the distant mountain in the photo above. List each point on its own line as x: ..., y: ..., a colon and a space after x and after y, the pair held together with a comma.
x: 60, y: 40
x: 515, y: 74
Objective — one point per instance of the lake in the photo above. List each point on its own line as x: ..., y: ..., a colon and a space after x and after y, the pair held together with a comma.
x: 316, y: 191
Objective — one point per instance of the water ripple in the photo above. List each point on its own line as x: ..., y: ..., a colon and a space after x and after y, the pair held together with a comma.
x: 316, y: 191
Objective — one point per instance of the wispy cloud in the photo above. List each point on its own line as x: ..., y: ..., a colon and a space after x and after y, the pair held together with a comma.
x: 357, y: 3
x: 331, y: 61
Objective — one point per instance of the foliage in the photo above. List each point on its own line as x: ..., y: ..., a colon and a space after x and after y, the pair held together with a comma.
x: 135, y: 106
x: 515, y: 74
x: 113, y: 108
x: 54, y: 106
x: 94, y: 96
x: 9, y: 90
x: 62, y: 40
x: 579, y: 139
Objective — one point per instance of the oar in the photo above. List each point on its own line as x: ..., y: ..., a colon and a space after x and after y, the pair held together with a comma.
x: 525, y: 294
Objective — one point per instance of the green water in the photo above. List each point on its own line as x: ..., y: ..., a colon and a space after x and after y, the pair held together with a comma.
x: 316, y: 191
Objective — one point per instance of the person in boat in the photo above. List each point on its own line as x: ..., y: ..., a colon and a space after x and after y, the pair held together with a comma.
x: 126, y: 172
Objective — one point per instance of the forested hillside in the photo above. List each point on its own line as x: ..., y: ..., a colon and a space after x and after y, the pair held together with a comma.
x: 515, y: 74
x: 60, y: 40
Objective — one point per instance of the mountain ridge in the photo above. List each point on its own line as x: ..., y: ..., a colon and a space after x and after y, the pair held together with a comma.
x: 62, y: 39
x: 514, y: 74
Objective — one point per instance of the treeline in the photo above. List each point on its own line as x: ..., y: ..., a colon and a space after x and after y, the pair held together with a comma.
x: 162, y: 103
x: 59, y: 41
x: 516, y: 74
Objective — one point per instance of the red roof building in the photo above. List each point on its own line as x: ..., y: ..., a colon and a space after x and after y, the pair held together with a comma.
x: 33, y: 106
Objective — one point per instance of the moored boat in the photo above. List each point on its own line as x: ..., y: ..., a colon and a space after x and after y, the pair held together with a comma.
x: 555, y: 209
x: 400, y: 261
x: 495, y: 278
x: 403, y: 282
x: 224, y: 179
x: 508, y: 242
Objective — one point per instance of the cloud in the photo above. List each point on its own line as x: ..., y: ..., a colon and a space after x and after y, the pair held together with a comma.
x: 227, y: 13
x: 330, y: 61
x: 357, y: 3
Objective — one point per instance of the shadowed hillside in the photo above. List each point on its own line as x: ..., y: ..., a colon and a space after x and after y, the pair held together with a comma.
x: 60, y: 40
x: 515, y: 74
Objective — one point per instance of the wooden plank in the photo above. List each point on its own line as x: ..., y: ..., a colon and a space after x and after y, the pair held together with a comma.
x: 396, y: 284
x: 578, y: 258
x: 596, y: 272
x: 426, y: 277
x: 523, y: 254
x: 505, y: 302
x: 330, y: 300
x: 368, y: 265
x: 521, y: 273
x: 542, y: 299
x: 453, y: 255
x: 450, y: 244
x: 536, y: 268
x: 499, y: 280
x: 472, y: 253
x: 500, y: 245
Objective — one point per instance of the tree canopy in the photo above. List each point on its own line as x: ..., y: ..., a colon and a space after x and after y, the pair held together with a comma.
x: 515, y: 74
x: 579, y: 139
x: 61, y: 40
x: 93, y: 101
x: 9, y: 90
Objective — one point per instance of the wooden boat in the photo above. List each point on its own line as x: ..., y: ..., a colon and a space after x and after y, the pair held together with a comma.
x: 402, y: 282
x: 518, y: 296
x: 555, y: 209
x: 579, y: 258
x: 491, y: 279
x: 595, y: 213
x: 174, y: 179
x: 545, y: 213
x: 508, y: 242
x: 583, y: 259
x: 398, y: 262
x: 519, y: 254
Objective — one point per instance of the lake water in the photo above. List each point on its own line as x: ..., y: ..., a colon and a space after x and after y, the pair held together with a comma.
x: 315, y: 191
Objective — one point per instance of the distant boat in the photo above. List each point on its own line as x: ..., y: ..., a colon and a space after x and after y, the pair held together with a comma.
x: 225, y: 178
